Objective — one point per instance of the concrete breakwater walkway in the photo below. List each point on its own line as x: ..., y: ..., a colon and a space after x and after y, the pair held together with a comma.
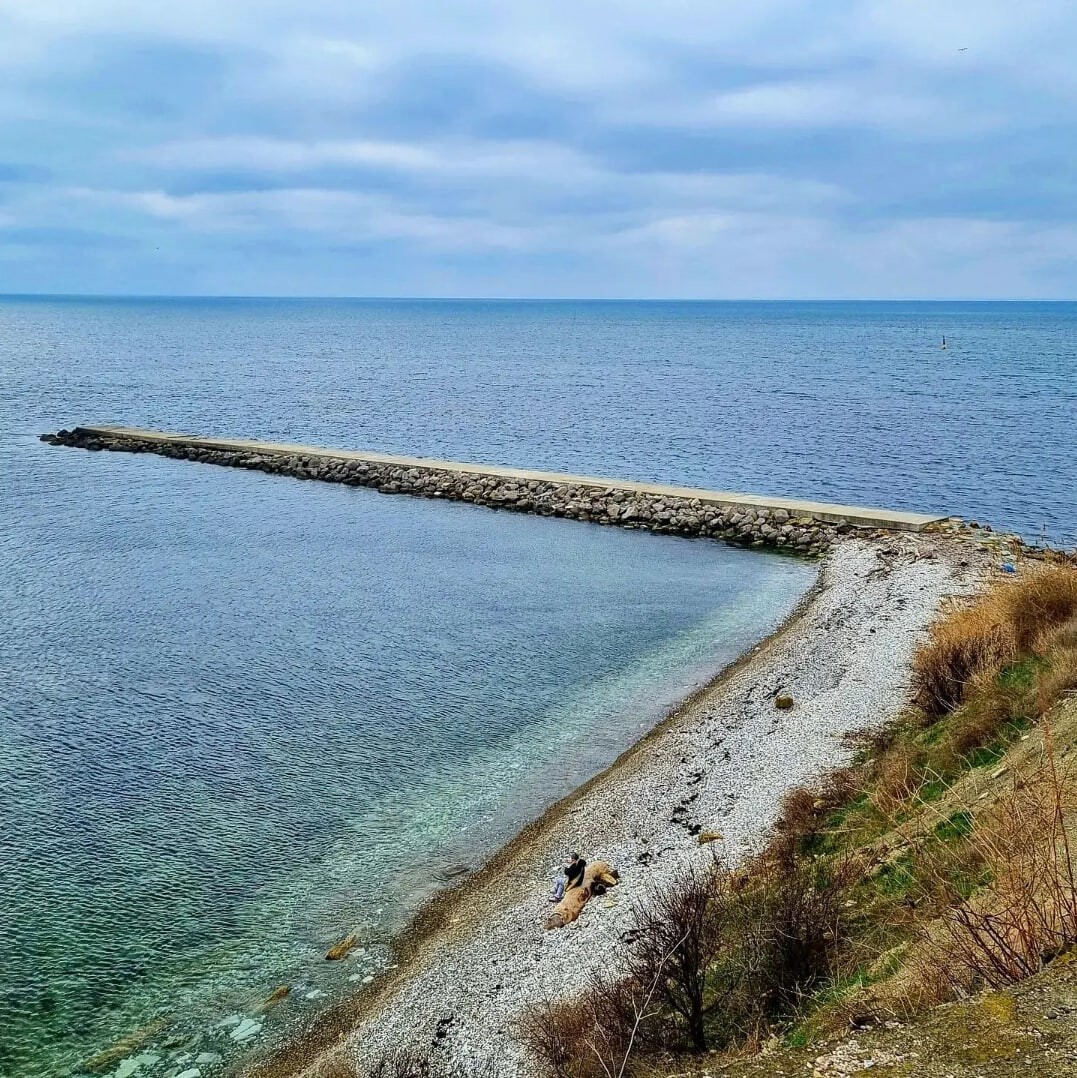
x: 802, y: 526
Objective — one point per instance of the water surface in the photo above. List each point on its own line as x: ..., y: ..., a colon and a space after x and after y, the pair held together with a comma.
x: 243, y: 716
x: 848, y: 402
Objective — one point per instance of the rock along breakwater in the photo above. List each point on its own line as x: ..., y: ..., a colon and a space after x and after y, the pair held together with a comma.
x: 802, y: 527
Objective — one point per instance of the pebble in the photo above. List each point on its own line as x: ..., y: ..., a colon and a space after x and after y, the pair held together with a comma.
x: 246, y: 1029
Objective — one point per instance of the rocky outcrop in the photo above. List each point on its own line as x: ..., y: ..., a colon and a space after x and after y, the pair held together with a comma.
x: 739, y: 524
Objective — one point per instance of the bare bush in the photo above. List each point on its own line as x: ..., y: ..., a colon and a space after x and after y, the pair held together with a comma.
x: 680, y: 932
x: 402, y: 1064
x: 596, y: 1035
x: 802, y: 932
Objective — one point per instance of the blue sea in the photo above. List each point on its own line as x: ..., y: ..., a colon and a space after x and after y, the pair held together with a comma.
x: 241, y: 716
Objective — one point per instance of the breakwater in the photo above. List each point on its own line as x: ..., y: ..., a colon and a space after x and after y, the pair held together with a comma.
x: 804, y: 527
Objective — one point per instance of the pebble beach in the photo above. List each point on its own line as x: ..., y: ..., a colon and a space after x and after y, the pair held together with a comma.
x: 480, y: 955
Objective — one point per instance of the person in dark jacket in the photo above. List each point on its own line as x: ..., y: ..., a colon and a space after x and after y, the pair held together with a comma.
x: 572, y: 876
x: 574, y: 871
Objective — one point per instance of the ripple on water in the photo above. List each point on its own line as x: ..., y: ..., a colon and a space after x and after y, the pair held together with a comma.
x: 246, y: 716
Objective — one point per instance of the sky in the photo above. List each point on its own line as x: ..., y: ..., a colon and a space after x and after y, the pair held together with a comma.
x: 503, y: 148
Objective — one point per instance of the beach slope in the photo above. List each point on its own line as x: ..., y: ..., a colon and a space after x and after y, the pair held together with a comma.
x: 480, y: 956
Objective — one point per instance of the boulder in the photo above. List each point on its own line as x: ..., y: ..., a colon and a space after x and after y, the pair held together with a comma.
x: 275, y: 997
x: 106, y: 1060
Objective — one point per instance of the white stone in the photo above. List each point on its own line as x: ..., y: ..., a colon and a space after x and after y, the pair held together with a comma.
x: 246, y: 1029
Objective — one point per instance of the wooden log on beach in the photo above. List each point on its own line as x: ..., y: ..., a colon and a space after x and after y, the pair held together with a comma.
x: 597, y: 874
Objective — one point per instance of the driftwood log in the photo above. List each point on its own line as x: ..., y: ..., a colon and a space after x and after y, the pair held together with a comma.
x: 598, y: 875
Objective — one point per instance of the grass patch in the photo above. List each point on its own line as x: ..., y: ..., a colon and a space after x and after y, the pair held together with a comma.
x: 898, y: 879
x: 957, y: 825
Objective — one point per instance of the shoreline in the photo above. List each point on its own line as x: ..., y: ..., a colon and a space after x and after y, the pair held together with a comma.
x: 444, y: 990
x: 432, y: 922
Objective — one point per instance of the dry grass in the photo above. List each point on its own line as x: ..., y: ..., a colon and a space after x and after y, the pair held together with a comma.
x: 982, y: 638
x: 1059, y: 678
x: 898, y: 775
x: 1026, y: 912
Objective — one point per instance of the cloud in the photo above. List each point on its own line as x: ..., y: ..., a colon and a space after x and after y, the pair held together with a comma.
x: 696, y: 148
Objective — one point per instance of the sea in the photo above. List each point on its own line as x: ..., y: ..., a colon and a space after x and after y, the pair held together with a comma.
x: 242, y: 717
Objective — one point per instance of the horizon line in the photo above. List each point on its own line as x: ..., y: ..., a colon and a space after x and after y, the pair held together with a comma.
x: 531, y: 299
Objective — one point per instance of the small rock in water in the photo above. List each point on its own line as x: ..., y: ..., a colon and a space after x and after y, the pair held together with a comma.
x: 246, y: 1029
x: 343, y: 948
x: 103, y: 1061
x: 711, y: 836
x: 135, y: 1064
x: 783, y: 703
x: 275, y: 997
x: 194, y: 1072
x: 314, y: 993
x: 205, y: 1058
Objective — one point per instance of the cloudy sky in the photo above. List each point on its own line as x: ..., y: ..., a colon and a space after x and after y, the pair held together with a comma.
x: 695, y: 148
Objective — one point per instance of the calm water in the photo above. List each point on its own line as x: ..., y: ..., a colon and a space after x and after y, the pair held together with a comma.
x: 241, y: 716
x: 852, y: 402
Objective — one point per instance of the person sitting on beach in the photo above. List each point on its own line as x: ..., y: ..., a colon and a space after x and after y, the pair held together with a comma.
x: 558, y: 891
x: 574, y: 871
x: 571, y: 877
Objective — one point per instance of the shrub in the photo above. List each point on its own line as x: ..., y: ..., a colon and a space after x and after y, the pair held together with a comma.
x: 982, y: 638
x: 592, y: 1036
x: 680, y: 933
x: 802, y: 933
